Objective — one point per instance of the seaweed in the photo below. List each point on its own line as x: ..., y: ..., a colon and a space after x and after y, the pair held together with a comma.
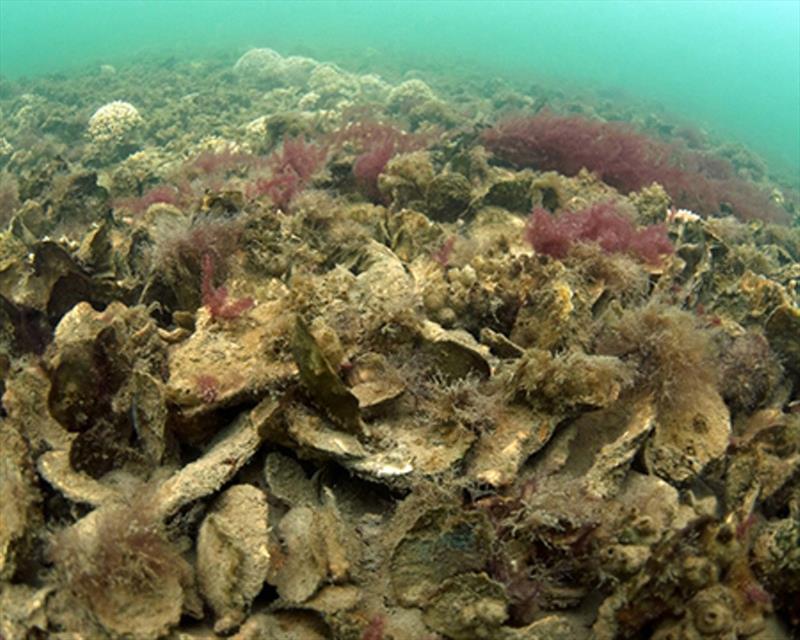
x: 291, y: 169
x: 437, y: 420
x: 628, y: 160
x: 125, y: 565
x: 670, y: 352
x: 375, y: 143
x: 749, y: 371
x: 600, y: 223
x: 165, y: 194
x: 216, y: 299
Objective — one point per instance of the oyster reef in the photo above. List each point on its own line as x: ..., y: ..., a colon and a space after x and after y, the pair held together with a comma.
x: 296, y: 352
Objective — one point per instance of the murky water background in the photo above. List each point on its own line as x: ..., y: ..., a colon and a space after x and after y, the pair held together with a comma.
x: 733, y: 67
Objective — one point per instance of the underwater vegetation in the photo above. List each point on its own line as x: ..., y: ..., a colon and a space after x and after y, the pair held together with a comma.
x: 128, y: 552
x: 599, y: 223
x: 289, y: 351
x: 215, y: 299
x: 290, y: 171
x: 376, y: 143
x: 629, y: 160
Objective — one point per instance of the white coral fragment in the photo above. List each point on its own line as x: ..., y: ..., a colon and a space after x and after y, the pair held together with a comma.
x: 114, y: 123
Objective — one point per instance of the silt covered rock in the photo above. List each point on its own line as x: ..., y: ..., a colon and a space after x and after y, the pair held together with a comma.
x: 232, y: 554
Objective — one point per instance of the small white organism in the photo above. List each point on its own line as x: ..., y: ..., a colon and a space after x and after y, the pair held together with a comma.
x: 682, y: 216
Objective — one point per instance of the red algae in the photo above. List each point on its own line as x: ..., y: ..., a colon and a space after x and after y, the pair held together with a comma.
x: 160, y: 194
x: 291, y: 170
x: 600, y: 223
x: 629, y: 160
x: 216, y: 298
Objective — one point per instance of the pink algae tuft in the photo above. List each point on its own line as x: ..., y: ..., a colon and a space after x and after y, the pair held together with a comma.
x: 628, y: 160
x: 375, y: 143
x: 207, y: 387
x: 599, y: 223
x: 375, y: 629
x: 221, y: 162
x: 160, y: 194
x: 444, y: 253
x: 291, y: 170
x: 370, y: 164
x: 216, y: 298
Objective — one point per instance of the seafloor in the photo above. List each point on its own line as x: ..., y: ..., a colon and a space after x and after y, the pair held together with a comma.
x: 292, y: 352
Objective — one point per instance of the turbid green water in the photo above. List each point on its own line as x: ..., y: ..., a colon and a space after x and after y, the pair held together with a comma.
x: 732, y: 67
